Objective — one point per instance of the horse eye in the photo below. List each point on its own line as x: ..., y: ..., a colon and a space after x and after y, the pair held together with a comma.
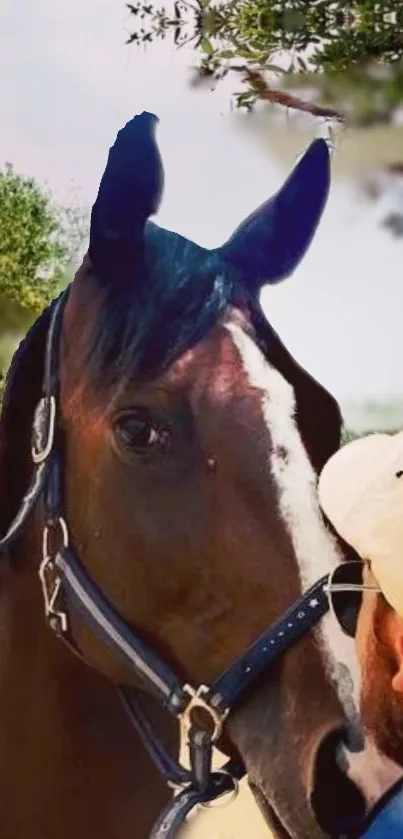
x: 138, y: 432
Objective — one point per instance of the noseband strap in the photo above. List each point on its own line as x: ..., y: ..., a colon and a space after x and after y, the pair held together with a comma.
x: 67, y: 585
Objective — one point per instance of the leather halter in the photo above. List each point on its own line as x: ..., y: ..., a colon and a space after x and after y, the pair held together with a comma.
x: 66, y: 583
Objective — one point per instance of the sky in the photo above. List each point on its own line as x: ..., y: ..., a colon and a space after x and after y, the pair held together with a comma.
x: 68, y: 83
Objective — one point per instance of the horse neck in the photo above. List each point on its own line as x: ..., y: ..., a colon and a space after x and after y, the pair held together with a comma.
x: 64, y: 733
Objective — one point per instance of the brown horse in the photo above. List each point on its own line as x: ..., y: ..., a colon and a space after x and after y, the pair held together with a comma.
x: 187, y: 442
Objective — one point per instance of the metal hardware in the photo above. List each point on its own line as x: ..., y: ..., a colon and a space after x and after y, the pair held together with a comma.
x: 228, y: 795
x: 61, y: 524
x: 47, y: 406
x: 200, y: 699
x: 50, y: 580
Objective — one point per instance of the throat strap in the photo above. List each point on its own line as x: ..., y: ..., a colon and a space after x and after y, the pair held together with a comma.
x: 27, y: 505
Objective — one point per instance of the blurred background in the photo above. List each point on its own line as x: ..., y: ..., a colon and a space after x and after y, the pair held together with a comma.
x: 240, y: 88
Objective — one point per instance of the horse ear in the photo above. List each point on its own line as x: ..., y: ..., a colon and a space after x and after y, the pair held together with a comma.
x: 130, y: 191
x: 270, y: 243
x: 21, y: 396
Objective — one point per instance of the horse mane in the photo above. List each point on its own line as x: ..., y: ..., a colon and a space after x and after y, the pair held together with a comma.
x: 21, y: 394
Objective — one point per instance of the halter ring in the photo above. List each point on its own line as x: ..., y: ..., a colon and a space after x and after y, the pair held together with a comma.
x: 228, y: 795
x: 199, y: 699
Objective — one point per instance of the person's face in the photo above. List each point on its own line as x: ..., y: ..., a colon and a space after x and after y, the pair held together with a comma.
x: 379, y: 642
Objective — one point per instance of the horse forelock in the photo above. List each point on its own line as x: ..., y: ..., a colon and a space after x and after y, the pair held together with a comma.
x: 134, y: 329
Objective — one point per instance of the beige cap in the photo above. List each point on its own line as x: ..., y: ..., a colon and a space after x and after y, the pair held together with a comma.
x: 361, y: 493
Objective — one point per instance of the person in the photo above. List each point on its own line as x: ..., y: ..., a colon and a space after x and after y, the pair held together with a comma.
x: 361, y: 494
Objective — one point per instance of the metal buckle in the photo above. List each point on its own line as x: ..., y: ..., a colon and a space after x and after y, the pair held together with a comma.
x: 45, y: 412
x: 199, y: 699
x: 228, y: 795
x: 50, y: 580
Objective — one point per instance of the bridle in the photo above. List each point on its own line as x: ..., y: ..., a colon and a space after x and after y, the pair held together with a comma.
x: 65, y: 582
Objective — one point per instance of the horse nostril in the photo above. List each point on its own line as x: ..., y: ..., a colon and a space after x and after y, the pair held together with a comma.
x: 338, y: 804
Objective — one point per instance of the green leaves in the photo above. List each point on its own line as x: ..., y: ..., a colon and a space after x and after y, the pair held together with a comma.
x: 206, y: 46
x: 317, y: 37
x: 38, y: 240
x: 39, y: 245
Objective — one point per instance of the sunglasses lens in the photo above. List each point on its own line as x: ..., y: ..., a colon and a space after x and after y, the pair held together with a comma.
x: 346, y: 604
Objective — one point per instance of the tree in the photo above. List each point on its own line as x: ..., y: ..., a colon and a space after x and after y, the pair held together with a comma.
x: 38, y: 240
x: 39, y: 245
x: 358, y: 40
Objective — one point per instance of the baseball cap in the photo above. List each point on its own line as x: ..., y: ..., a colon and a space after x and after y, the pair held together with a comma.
x: 361, y: 493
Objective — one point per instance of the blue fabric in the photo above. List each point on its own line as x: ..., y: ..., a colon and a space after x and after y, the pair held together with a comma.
x: 387, y: 823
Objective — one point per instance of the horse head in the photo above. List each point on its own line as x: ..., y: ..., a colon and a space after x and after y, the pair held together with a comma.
x: 192, y: 441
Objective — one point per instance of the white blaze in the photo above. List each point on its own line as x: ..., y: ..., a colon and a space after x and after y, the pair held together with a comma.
x: 315, y: 548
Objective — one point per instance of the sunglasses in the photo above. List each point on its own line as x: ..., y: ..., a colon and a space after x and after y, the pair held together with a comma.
x: 344, y: 590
